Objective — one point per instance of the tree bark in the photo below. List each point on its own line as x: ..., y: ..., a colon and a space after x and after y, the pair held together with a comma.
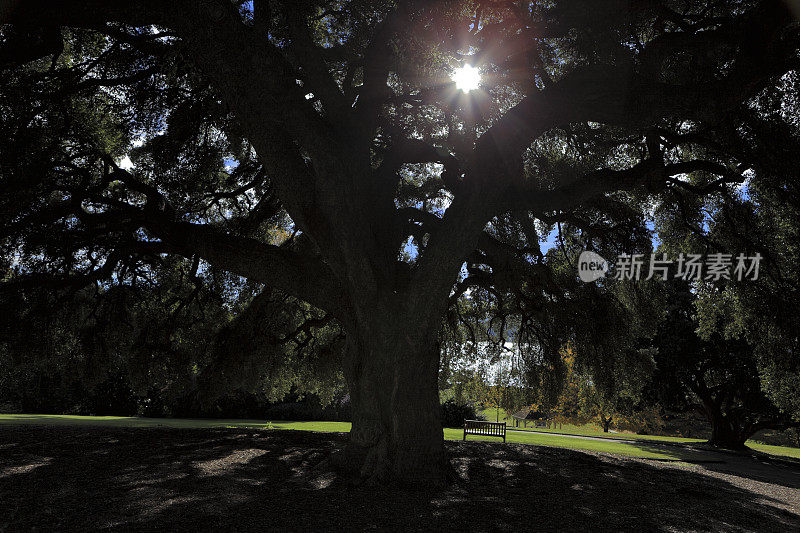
x: 724, y: 432
x: 397, y: 432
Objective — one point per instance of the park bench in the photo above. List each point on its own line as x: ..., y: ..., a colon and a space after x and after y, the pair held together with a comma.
x: 487, y: 429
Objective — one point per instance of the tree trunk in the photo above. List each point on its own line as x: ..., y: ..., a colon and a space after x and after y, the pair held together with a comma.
x: 606, y: 423
x: 724, y: 433
x: 397, y: 431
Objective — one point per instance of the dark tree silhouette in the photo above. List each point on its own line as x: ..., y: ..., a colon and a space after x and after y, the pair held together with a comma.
x: 718, y: 377
x: 341, y: 118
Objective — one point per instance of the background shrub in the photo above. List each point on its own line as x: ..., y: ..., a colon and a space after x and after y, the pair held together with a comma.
x: 454, y: 414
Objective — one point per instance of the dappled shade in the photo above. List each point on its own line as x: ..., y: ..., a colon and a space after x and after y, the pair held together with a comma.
x: 78, y: 478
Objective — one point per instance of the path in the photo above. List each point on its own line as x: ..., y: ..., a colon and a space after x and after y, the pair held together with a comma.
x: 747, y: 466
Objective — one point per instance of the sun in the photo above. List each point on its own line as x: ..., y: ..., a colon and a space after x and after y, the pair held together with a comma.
x: 467, y: 78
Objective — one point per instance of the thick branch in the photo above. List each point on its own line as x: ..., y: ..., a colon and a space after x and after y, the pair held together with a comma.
x: 316, y: 71
x: 304, y: 277
x: 415, y: 151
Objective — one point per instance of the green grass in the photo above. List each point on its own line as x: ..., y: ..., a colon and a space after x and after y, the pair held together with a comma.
x: 593, y: 431
x: 449, y: 433
x: 572, y: 443
x: 184, y: 423
x: 588, y: 430
x: 631, y: 449
x: 785, y: 451
x: 490, y: 414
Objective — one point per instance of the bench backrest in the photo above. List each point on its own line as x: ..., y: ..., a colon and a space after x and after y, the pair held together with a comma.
x: 482, y: 427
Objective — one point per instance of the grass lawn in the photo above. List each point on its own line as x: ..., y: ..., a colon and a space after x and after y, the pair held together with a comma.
x: 490, y: 414
x: 573, y: 443
x: 593, y: 431
x: 587, y: 430
x: 631, y: 449
x: 775, y: 450
x: 181, y: 423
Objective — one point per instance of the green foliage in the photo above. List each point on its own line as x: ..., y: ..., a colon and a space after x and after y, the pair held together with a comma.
x: 164, y: 330
x: 454, y: 413
x: 179, y: 345
x: 758, y: 216
x: 102, y: 283
x: 715, y: 374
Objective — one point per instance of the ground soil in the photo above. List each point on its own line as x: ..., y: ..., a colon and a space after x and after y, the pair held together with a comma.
x: 57, y: 478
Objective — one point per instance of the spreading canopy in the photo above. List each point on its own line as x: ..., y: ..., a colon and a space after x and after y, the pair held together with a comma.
x: 339, y: 122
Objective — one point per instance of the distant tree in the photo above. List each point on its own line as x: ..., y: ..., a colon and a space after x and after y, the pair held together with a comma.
x: 581, y: 399
x: 567, y: 410
x: 718, y: 377
x: 762, y: 219
x: 750, y: 324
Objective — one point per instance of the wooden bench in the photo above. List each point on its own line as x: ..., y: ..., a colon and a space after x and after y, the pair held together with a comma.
x: 487, y: 429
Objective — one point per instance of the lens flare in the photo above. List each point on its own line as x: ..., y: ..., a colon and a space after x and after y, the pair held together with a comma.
x: 467, y: 78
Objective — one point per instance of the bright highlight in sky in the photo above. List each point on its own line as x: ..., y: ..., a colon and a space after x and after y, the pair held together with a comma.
x: 467, y: 78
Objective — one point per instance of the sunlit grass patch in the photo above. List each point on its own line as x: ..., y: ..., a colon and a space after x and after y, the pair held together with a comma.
x: 644, y: 449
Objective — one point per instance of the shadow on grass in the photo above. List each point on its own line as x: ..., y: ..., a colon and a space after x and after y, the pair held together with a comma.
x: 746, y: 465
x: 85, y: 478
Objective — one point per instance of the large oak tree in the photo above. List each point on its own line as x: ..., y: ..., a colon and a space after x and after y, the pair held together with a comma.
x: 339, y: 117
